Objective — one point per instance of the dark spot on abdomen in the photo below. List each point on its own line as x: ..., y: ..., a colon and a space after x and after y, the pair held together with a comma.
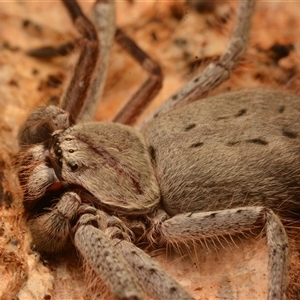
x: 223, y: 118
x: 241, y: 112
x: 196, y: 145
x: 189, y: 127
x: 152, y: 153
x: 258, y: 141
x: 233, y: 143
x: 289, y: 134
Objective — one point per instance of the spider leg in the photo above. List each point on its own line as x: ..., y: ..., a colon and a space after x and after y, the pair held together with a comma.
x: 51, y: 231
x: 106, y: 257
x: 51, y: 51
x: 35, y: 175
x: 158, y: 284
x: 217, y: 72
x: 103, y: 17
x: 86, y: 86
x: 101, y: 254
x: 143, y: 96
x: 194, y: 226
x: 77, y: 91
x: 83, y: 107
x: 41, y: 123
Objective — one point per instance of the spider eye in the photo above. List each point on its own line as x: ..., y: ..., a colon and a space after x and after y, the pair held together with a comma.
x: 60, y: 162
x: 58, y: 152
x: 55, y: 137
x: 73, y: 166
x: 71, y: 151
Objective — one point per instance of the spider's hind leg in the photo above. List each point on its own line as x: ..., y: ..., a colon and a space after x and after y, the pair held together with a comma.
x: 148, y: 90
x: 188, y: 227
x: 216, y: 72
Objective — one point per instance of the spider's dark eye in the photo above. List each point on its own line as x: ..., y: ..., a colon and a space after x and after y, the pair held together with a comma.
x: 55, y: 137
x: 71, y: 150
x: 58, y: 152
x: 68, y: 139
x: 73, y: 166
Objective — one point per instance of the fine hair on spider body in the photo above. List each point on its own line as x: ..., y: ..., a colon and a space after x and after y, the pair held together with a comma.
x: 110, y: 188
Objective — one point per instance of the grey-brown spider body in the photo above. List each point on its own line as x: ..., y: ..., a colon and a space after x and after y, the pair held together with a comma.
x: 215, y: 167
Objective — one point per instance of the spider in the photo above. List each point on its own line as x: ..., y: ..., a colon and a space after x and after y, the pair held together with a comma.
x: 109, y: 188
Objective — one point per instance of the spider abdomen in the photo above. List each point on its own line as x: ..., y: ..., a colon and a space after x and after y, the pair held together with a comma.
x: 235, y: 149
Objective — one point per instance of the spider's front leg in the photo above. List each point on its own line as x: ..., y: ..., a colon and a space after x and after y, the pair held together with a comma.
x: 123, y: 276
x: 36, y: 174
x: 84, y: 91
x: 41, y: 123
x: 154, y: 280
x: 51, y: 232
x: 102, y: 256
x: 188, y: 227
